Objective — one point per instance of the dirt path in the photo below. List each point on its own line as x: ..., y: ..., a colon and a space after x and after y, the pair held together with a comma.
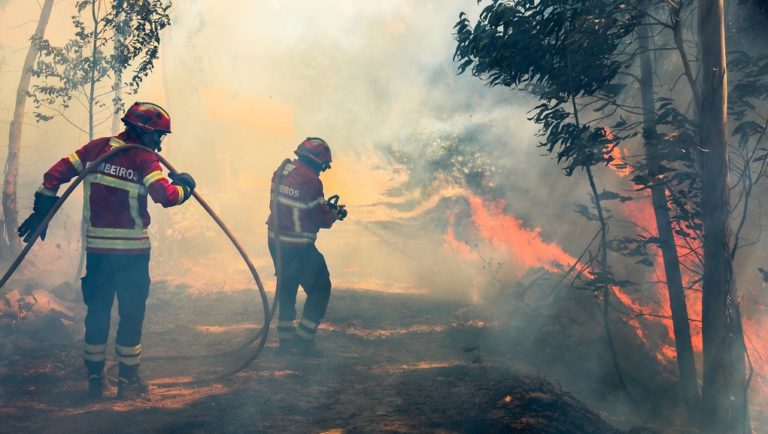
x: 392, y: 363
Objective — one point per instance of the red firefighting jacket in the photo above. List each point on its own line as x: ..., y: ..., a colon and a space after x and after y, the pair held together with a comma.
x: 115, y: 195
x: 301, y: 207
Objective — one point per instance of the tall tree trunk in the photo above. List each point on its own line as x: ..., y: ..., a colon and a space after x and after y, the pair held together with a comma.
x: 121, y: 30
x: 724, y: 398
x: 116, y: 101
x: 10, y: 211
x: 685, y: 362
x: 91, y: 108
x: 94, y: 63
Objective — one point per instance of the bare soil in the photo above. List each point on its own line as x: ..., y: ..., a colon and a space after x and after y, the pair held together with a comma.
x: 391, y: 363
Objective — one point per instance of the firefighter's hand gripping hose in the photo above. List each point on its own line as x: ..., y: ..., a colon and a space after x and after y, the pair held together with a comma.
x: 260, y: 335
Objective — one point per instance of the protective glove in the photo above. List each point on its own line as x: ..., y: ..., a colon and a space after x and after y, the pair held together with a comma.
x: 40, y: 210
x: 333, y: 203
x: 185, y: 180
x: 341, y: 212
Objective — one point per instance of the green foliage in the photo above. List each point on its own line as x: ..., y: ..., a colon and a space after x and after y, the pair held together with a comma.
x: 635, y: 247
x: 559, y: 50
x: 677, y: 146
x: 746, y: 94
x: 516, y: 42
x: 70, y: 72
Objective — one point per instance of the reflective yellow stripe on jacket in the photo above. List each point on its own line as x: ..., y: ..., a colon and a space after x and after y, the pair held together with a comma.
x: 74, y: 159
x: 135, y: 238
x: 103, y: 243
x: 152, y: 177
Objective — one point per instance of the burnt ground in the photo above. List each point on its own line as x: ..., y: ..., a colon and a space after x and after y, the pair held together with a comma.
x: 392, y: 363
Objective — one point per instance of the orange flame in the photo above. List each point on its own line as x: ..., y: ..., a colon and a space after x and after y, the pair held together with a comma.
x: 508, y: 233
x: 755, y: 322
x: 452, y: 244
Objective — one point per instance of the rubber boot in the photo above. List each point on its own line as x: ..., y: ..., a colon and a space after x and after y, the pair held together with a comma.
x: 130, y: 385
x: 97, y: 384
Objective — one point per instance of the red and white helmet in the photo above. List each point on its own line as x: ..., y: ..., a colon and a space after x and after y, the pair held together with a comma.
x: 148, y: 117
x: 317, y: 150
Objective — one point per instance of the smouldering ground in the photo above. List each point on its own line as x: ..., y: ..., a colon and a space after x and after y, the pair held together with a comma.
x: 393, y: 363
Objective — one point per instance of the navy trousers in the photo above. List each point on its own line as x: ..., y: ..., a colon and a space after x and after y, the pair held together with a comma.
x: 107, y: 275
x: 301, y: 266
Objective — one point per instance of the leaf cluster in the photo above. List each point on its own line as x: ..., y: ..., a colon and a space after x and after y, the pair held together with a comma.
x: 557, y: 50
x: 744, y: 97
x: 110, y: 37
x: 534, y: 41
x: 634, y: 246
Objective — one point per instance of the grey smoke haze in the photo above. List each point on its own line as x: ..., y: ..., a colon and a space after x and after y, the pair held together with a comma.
x: 247, y: 81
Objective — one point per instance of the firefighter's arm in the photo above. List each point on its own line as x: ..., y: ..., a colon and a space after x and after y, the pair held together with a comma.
x: 162, y: 190
x: 45, y: 197
x: 323, y: 215
x: 66, y: 169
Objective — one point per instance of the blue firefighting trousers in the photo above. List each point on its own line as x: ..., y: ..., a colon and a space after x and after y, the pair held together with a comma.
x: 305, y: 266
x: 107, y: 275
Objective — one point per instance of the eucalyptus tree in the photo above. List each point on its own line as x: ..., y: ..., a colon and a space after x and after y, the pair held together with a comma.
x: 563, y: 53
x: 533, y: 44
x: 110, y: 37
x: 10, y: 210
x: 724, y: 387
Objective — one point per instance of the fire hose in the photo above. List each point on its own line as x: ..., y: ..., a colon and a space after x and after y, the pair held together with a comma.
x: 260, y: 335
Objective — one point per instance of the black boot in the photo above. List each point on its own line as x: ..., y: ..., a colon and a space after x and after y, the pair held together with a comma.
x: 130, y: 385
x: 97, y: 384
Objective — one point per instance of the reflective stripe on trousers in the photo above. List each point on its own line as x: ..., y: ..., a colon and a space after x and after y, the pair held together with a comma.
x: 107, y: 275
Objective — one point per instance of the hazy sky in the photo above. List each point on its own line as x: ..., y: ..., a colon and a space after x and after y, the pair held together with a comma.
x: 245, y: 81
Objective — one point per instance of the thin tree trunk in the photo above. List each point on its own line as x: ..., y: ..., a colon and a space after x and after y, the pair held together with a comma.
x: 120, y: 36
x: 677, y: 32
x: 603, y: 263
x: 725, y: 406
x: 10, y: 211
x: 607, y: 291
x: 117, y: 100
x: 91, y: 108
x: 684, y: 348
x: 94, y: 63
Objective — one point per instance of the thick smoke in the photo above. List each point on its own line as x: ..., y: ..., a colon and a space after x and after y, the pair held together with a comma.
x: 246, y: 81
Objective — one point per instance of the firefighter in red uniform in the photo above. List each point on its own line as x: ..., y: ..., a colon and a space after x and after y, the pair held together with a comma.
x: 302, y: 211
x: 117, y: 242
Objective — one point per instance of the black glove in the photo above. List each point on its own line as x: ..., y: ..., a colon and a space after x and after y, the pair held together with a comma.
x: 43, y: 205
x: 185, y: 180
x: 333, y: 203
x: 341, y: 212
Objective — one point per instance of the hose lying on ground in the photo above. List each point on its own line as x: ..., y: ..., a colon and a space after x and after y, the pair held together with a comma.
x: 260, y: 335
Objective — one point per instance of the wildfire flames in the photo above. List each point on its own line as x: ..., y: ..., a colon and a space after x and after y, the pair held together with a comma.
x: 505, y: 232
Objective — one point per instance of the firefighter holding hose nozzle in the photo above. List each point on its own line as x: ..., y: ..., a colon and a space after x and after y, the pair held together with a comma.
x: 301, y: 211
x: 117, y: 242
